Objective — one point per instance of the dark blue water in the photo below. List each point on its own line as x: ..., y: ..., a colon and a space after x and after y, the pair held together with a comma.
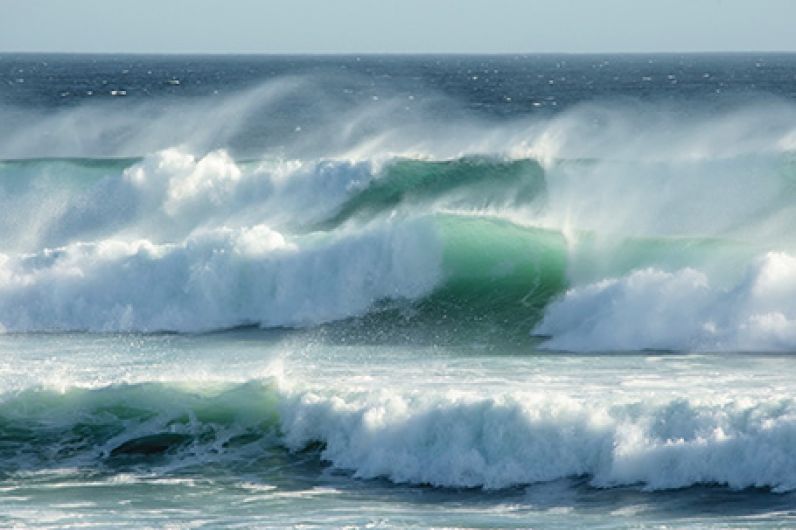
x: 503, y: 86
x: 443, y: 88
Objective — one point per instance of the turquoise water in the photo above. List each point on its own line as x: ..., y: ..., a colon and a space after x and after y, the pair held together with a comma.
x: 241, y: 400
x: 397, y: 291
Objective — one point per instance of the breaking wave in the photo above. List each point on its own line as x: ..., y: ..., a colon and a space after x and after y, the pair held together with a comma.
x: 441, y: 440
x: 597, y: 229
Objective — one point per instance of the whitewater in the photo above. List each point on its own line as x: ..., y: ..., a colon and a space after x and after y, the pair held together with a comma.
x: 398, y: 291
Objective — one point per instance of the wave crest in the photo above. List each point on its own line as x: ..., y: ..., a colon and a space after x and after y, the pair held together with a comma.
x: 217, y: 279
x: 447, y: 440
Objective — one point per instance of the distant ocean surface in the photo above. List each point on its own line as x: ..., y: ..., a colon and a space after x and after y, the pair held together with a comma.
x: 391, y: 291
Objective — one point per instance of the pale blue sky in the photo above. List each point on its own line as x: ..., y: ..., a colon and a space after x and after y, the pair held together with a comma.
x: 406, y: 26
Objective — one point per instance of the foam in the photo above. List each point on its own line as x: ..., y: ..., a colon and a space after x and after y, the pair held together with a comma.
x: 218, y: 278
x: 680, y: 310
x: 440, y: 437
x: 521, y: 438
x: 213, y: 189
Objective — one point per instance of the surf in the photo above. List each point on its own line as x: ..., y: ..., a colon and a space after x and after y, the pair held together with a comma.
x: 577, y: 229
x: 473, y: 441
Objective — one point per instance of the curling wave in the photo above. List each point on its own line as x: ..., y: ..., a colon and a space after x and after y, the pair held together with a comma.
x: 610, y: 240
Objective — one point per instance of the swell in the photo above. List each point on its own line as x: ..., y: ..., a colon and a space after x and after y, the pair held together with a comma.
x: 455, y: 277
x: 446, y: 272
x: 229, y: 238
x: 594, y: 253
x: 432, y: 278
x: 467, y: 441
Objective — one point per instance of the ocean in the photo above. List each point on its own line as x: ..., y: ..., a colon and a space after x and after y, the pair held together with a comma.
x: 546, y: 291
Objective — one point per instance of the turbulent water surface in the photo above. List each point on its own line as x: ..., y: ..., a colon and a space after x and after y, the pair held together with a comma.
x: 394, y: 291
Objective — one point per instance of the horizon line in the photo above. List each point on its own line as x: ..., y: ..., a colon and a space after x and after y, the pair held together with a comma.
x: 401, y: 54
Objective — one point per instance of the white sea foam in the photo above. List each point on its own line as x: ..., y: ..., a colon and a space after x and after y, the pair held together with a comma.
x: 680, y: 310
x: 167, y: 195
x: 214, y: 188
x: 521, y: 438
x: 218, y: 278
x: 456, y: 435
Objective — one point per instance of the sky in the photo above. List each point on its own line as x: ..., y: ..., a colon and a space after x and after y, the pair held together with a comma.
x: 392, y: 26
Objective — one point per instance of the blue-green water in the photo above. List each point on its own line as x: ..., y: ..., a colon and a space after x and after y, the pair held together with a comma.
x: 257, y: 428
x: 397, y: 291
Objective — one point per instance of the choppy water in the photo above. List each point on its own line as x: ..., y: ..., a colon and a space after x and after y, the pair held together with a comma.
x: 391, y: 291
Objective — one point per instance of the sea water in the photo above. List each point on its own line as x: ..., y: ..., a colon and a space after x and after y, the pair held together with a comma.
x: 545, y: 291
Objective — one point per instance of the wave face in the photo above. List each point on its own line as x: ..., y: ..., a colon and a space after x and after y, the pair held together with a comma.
x: 461, y: 442
x: 83, y: 428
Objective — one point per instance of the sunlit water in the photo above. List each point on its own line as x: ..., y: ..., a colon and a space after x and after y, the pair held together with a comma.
x: 388, y: 291
x: 262, y: 482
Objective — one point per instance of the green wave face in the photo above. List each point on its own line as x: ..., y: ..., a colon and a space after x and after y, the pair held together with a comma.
x: 471, y: 182
x: 497, y: 279
x: 497, y: 276
x: 121, y: 424
x: 498, y: 272
x: 45, y: 175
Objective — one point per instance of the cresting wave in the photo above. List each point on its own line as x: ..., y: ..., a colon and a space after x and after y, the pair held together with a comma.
x: 439, y: 439
x: 624, y: 235
x: 218, y: 279
x: 200, y: 232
